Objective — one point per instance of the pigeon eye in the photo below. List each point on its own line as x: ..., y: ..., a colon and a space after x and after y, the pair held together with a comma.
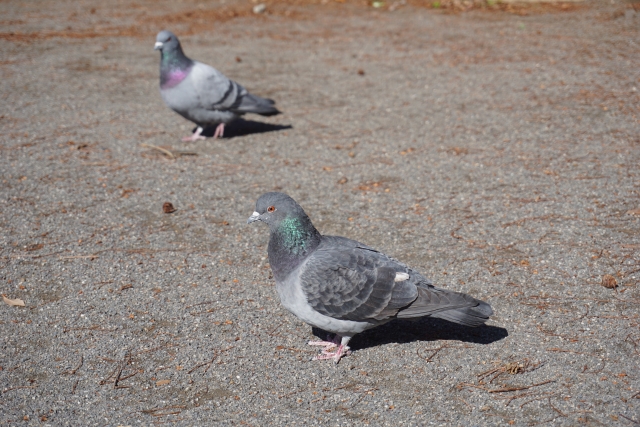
x: 271, y: 209
x: 169, y: 39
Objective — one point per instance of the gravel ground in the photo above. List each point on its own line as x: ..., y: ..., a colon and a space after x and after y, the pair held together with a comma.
x: 496, y: 151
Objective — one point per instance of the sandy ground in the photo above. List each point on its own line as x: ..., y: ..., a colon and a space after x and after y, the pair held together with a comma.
x: 495, y: 150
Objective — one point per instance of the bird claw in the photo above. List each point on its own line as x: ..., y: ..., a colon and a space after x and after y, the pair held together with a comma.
x: 219, y: 133
x: 193, y: 138
x: 325, y: 353
x: 336, y: 355
x: 326, y: 344
x: 329, y: 343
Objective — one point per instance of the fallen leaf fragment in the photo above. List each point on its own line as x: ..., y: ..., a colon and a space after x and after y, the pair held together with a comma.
x: 16, y: 302
x: 162, y: 382
x: 168, y: 208
x: 609, y: 282
x: 34, y: 247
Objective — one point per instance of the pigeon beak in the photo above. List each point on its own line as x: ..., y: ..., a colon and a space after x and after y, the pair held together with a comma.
x: 253, y: 218
x: 157, y: 46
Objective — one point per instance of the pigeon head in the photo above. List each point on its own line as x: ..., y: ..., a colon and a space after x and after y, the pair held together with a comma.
x: 293, y: 236
x: 174, y: 65
x: 166, y: 41
x: 274, y: 208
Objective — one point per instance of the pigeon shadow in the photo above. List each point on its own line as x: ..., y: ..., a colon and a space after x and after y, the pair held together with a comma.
x: 424, y: 329
x: 243, y: 127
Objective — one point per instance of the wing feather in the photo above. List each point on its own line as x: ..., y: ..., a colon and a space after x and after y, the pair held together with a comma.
x: 214, y: 89
x: 349, y: 281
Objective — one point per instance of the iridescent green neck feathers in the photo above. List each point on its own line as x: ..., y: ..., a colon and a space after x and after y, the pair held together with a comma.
x: 294, y: 235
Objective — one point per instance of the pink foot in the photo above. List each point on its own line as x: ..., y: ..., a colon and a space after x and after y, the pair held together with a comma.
x: 219, y: 133
x: 343, y: 350
x: 337, y: 341
x: 196, y: 136
x: 327, y: 344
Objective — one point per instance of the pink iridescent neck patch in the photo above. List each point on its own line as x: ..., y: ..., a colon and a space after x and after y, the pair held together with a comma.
x: 175, y: 77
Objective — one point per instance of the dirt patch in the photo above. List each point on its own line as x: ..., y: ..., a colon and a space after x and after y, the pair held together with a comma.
x: 144, y: 19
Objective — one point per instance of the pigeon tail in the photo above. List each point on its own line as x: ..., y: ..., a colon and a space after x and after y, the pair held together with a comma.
x: 453, y: 306
x: 250, y: 103
x: 467, y: 316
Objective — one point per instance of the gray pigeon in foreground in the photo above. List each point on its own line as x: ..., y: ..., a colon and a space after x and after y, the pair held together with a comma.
x: 344, y: 287
x: 201, y: 93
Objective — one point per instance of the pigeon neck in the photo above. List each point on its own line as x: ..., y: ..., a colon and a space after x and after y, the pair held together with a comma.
x: 174, y: 67
x: 291, y: 241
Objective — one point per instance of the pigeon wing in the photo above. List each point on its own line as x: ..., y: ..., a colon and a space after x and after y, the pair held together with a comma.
x: 215, y: 91
x: 355, y: 283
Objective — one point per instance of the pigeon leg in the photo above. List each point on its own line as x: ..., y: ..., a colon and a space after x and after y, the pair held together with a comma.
x: 327, y: 344
x: 196, y: 135
x: 343, y: 350
x: 219, y: 131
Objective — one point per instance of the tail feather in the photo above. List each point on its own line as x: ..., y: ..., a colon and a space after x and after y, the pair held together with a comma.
x: 468, y: 316
x: 453, y: 306
x: 254, y: 104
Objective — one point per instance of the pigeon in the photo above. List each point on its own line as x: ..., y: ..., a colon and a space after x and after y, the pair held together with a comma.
x: 345, y: 287
x: 201, y: 93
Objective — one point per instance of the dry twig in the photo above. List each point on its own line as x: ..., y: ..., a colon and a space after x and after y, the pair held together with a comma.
x: 512, y: 368
x: 125, y: 362
x: 630, y: 419
x: 210, y: 362
x: 556, y: 409
x: 504, y: 389
x: 507, y: 389
x: 74, y: 370
x: 154, y: 412
x: 164, y: 151
x: 436, y: 351
x: 117, y: 372
x: 537, y: 398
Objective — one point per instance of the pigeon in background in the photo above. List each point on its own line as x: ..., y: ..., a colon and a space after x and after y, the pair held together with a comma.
x: 201, y: 93
x: 344, y: 287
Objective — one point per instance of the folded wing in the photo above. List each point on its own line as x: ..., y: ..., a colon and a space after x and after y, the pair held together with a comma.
x: 350, y: 281
x: 217, y: 92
